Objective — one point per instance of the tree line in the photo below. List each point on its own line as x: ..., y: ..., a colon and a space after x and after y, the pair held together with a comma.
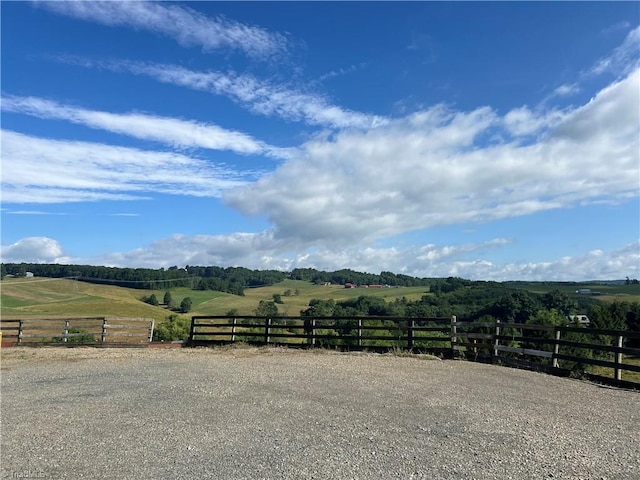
x: 229, y: 280
x: 340, y: 277
x: 488, y: 301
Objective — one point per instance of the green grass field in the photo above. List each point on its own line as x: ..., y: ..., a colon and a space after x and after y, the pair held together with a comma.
x: 630, y: 293
x: 626, y: 375
x: 46, y: 297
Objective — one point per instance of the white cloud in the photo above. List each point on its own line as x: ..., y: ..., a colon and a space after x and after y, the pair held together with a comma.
x: 235, y: 249
x: 186, y: 26
x: 31, y: 212
x: 594, y: 265
x: 34, y: 250
x: 623, y: 25
x: 522, y: 121
x: 624, y: 58
x: 258, y: 96
x: 263, y: 251
x: 435, y: 167
x: 39, y: 170
x: 566, y: 89
x: 172, y: 131
x: 339, y: 72
x: 613, y: 113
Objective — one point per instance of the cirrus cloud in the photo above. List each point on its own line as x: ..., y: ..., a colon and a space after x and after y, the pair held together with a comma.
x: 188, y: 27
x: 172, y: 131
x: 41, y: 170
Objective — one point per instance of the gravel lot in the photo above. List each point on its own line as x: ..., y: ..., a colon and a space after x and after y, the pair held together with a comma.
x: 283, y: 414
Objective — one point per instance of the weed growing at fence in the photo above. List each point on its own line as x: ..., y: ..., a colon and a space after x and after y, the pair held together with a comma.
x: 74, y: 337
x: 173, y: 328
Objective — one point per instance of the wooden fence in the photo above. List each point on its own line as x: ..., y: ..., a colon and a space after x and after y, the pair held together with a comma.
x: 554, y: 349
x: 108, y: 331
x: 344, y: 332
x: 560, y: 350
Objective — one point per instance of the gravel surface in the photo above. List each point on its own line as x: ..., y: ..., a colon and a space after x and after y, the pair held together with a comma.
x: 284, y: 414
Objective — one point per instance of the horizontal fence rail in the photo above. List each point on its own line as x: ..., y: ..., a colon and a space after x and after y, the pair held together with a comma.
x: 561, y: 350
x: 73, y: 331
x: 345, y: 332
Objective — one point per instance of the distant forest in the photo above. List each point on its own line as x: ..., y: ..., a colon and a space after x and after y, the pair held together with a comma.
x: 467, y: 299
x: 230, y: 280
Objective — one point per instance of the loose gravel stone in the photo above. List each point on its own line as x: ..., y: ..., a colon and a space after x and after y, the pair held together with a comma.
x: 252, y: 413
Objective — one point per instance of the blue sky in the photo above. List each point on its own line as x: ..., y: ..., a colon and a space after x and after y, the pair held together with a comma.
x: 495, y: 141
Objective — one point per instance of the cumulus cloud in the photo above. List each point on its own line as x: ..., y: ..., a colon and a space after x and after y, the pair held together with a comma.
x: 436, y: 167
x: 188, y: 27
x: 613, y: 114
x: 235, y: 249
x: 34, y: 250
x: 523, y: 121
x: 40, y: 170
x: 264, y: 251
x: 172, y: 131
x: 594, y: 265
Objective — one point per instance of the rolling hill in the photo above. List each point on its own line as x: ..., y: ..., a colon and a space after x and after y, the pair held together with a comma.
x: 49, y: 297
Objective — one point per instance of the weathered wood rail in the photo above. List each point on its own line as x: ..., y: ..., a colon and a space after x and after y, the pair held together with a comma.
x: 349, y: 332
x: 558, y: 349
x: 554, y: 349
x: 73, y: 331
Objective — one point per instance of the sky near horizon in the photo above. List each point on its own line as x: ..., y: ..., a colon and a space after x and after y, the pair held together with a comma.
x: 490, y: 141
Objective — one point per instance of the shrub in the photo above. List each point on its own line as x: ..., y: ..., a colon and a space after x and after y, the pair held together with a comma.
x: 151, y: 300
x: 173, y: 328
x: 186, y: 304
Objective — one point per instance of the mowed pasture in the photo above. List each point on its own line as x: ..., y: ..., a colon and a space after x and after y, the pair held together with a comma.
x: 48, y: 297
x: 610, y: 293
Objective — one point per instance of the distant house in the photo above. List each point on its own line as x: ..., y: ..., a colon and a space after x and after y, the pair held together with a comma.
x: 583, y: 291
x: 349, y: 285
x: 579, y: 319
x: 29, y: 274
x: 376, y: 286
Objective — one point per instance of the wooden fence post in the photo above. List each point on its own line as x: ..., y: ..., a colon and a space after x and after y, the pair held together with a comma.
x: 192, y: 330
x: 410, y: 325
x: 556, y: 349
x: 618, y: 359
x: 66, y: 330
x: 496, y: 341
x: 267, y: 328
x: 454, y: 338
x: 151, y: 326
x: 20, y: 330
x: 233, y: 329
x: 359, y: 332
x: 104, y: 329
x: 313, y: 332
